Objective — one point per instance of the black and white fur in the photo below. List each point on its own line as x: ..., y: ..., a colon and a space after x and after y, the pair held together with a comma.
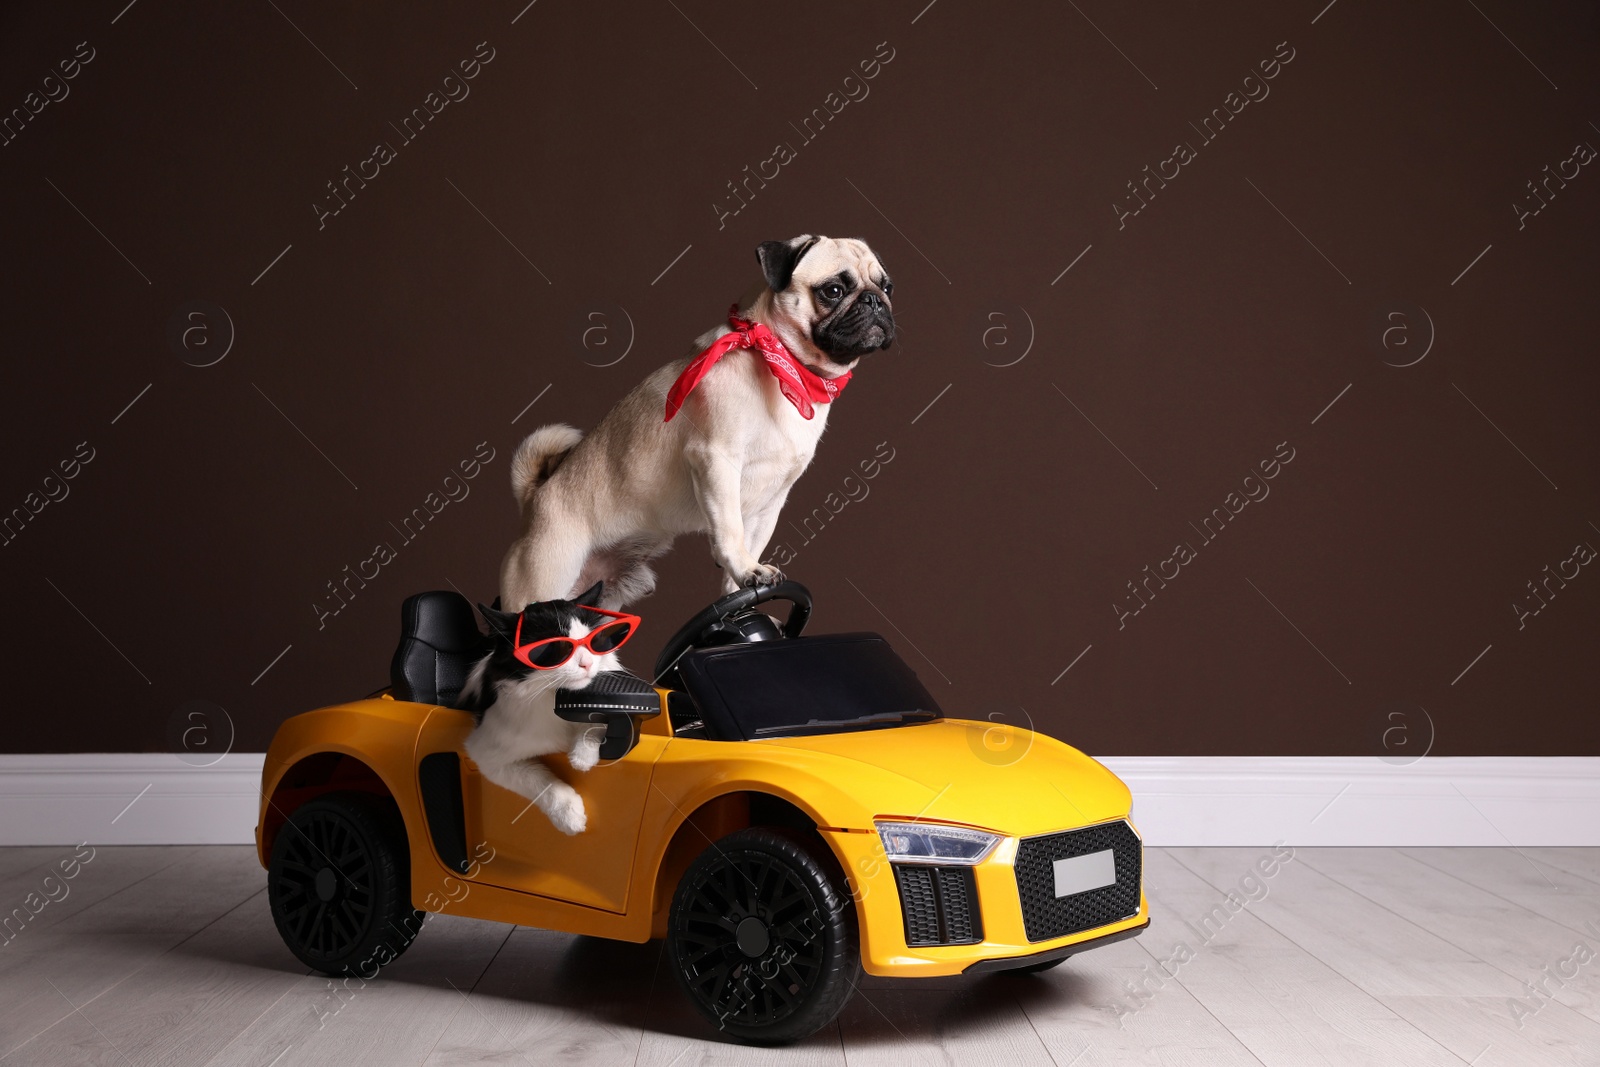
x: 515, y: 707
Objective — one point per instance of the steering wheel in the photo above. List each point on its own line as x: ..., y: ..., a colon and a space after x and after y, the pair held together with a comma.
x: 736, y: 602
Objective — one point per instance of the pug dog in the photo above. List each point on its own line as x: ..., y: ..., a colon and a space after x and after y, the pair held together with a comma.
x: 711, y: 443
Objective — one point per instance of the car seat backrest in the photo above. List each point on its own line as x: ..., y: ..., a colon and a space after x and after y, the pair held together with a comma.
x: 439, y: 643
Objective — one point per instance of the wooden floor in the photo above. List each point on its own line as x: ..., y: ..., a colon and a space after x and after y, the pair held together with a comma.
x: 167, y: 956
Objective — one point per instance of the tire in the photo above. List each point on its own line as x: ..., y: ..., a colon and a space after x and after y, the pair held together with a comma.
x: 762, y: 937
x: 1036, y: 968
x: 339, y: 885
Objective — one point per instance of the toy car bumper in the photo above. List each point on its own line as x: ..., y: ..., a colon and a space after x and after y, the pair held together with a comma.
x: 1009, y: 911
x: 1007, y: 963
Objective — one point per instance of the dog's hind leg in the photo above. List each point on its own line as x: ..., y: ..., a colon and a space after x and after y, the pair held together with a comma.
x: 633, y: 583
x: 625, y: 570
x: 546, y: 563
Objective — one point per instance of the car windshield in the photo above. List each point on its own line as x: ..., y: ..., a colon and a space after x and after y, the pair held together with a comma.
x: 809, y: 685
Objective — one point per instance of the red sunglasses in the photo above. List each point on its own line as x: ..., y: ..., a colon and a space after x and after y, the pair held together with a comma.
x: 552, y: 652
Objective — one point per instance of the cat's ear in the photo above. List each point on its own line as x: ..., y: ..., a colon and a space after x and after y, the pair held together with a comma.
x: 499, y: 622
x: 590, y: 597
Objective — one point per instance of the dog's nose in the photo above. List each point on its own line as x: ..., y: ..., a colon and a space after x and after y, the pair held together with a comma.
x: 872, y: 300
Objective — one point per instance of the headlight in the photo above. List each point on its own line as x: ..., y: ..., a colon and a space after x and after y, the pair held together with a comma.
x: 922, y: 842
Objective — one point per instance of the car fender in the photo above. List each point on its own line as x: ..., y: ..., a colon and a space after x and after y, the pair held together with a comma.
x: 379, y: 733
x: 835, y: 793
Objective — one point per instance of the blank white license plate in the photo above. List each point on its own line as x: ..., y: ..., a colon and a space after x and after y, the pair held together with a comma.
x: 1079, y: 874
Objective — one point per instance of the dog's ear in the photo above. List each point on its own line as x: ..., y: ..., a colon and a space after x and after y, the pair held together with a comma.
x: 779, y: 258
x: 499, y: 622
x: 590, y: 597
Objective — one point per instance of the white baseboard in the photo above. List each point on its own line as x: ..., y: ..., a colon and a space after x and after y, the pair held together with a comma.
x: 135, y: 798
x: 155, y: 799
x: 1362, y: 800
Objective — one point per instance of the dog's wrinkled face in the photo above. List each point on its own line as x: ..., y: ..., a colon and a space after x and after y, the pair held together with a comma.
x: 830, y: 293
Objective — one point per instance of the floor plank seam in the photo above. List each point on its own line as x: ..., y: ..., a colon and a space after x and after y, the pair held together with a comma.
x: 1581, y: 875
x: 175, y: 945
x: 1498, y: 896
x: 1331, y: 969
x: 263, y: 1014
x: 1458, y: 947
x: 1407, y: 853
x: 1201, y: 1004
x: 134, y: 973
x: 1051, y: 1056
x: 137, y: 881
x: 1374, y: 955
x: 649, y: 998
x: 475, y: 983
x: 89, y: 907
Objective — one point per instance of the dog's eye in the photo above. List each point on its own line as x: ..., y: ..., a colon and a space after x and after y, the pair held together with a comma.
x: 887, y: 287
x: 832, y: 292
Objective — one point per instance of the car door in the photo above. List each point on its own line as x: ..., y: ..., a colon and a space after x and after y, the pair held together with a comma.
x: 514, y: 846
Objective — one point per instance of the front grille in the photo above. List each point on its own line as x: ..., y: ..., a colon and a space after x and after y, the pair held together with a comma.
x: 940, y: 904
x: 1044, y: 915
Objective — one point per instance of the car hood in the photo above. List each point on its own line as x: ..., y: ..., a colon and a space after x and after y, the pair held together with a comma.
x: 983, y: 774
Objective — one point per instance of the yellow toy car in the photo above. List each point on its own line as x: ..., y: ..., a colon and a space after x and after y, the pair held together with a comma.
x: 785, y: 811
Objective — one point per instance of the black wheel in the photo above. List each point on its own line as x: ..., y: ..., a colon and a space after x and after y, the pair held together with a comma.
x: 1036, y: 968
x: 339, y: 884
x: 763, y: 938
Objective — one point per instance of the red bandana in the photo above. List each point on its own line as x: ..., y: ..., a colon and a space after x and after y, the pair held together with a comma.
x: 801, y: 386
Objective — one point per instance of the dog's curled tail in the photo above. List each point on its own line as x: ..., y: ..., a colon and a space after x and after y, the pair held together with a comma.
x: 538, y: 456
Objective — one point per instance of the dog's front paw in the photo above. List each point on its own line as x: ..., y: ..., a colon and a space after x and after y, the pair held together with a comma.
x: 760, y: 574
x: 565, y: 809
x: 586, y: 753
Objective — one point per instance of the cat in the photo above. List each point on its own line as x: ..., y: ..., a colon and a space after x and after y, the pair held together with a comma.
x: 514, y: 703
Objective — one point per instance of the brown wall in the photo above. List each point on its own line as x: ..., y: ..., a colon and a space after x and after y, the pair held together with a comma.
x: 1185, y: 346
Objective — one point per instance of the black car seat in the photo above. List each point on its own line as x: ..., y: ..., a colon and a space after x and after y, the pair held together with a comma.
x: 439, y: 643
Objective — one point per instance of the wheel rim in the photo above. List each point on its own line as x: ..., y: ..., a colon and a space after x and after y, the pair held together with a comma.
x: 325, y: 885
x: 749, y: 940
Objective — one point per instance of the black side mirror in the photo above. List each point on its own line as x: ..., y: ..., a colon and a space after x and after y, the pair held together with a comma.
x: 615, y: 700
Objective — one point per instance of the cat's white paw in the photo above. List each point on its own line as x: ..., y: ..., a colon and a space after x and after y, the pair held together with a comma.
x: 565, y: 809
x: 586, y: 753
